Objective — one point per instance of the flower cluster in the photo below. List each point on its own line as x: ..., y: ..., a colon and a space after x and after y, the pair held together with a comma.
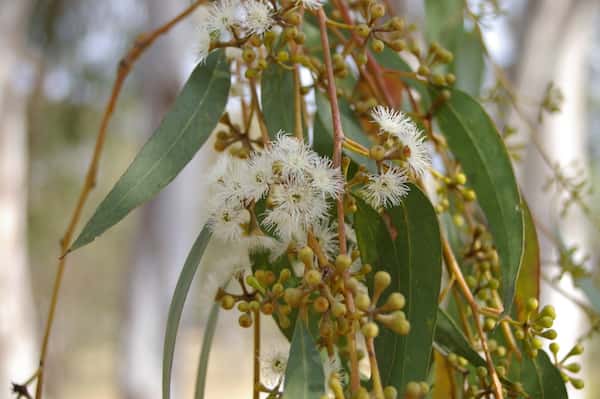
x: 233, y: 19
x: 387, y: 188
x: 293, y: 185
x: 226, y: 19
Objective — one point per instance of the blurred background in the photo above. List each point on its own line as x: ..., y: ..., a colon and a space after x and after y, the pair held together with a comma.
x: 58, y: 61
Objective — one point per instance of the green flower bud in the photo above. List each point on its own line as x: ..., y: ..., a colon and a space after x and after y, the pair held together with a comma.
x: 573, y: 367
x: 227, y: 302
x: 370, y: 330
x: 390, y: 392
x: 577, y: 383
x: 363, y: 302
x: 532, y: 304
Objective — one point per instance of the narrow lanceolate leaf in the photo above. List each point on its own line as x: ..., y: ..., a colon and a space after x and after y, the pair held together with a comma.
x: 528, y: 283
x: 180, y: 135
x: 469, y: 62
x: 541, y: 379
x: 277, y: 99
x: 209, y: 333
x: 451, y: 339
x: 175, y: 310
x: 410, y: 251
x: 304, y: 375
x: 474, y: 140
x: 443, y: 21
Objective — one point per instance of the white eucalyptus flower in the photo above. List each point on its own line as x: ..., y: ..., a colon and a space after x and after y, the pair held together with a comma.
x: 386, y: 189
x: 327, y: 237
x: 226, y: 222
x: 390, y: 120
x: 259, y: 17
x: 223, y: 16
x: 229, y: 188
x: 326, y: 179
x: 203, y: 44
x: 294, y: 157
x: 258, y: 177
x: 273, y: 365
x: 296, y: 207
x: 325, y: 234
x: 402, y: 127
x: 415, y: 150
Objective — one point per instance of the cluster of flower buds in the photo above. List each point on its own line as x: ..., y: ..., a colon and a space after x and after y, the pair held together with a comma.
x: 436, y: 55
x: 453, y: 185
x: 483, y: 279
x: 571, y: 367
x: 537, y: 325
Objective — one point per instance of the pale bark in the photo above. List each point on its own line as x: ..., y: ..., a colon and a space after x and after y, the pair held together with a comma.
x: 17, y: 343
x: 555, y: 49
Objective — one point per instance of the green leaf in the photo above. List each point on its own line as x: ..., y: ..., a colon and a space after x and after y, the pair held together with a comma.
x: 304, y: 375
x: 541, y: 379
x: 443, y: 21
x: 176, y: 308
x: 182, y: 132
x: 324, y: 130
x: 450, y: 338
x: 469, y: 62
x: 277, y: 99
x: 474, y: 140
x: 528, y: 283
x: 413, y: 259
x: 209, y: 333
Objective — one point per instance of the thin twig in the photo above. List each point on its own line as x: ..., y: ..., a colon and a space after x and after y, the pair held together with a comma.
x: 338, y: 138
x: 256, y: 362
x: 464, y: 288
x: 141, y: 44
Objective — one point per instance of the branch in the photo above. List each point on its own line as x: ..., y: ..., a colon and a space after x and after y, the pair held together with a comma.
x: 141, y: 44
x: 338, y: 138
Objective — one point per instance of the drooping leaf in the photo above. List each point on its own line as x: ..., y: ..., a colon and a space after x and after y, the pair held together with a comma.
x: 528, y: 283
x: 176, y: 308
x: 277, y: 99
x: 182, y: 132
x: 449, y: 337
x: 443, y: 21
x: 304, y: 375
x: 541, y: 379
x: 474, y: 140
x: 209, y: 333
x: 469, y: 62
x: 413, y: 259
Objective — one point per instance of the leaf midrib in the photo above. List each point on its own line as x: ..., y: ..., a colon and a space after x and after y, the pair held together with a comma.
x: 176, y: 141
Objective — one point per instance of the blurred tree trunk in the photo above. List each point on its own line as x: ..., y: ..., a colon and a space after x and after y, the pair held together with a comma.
x: 167, y: 225
x: 17, y: 344
x: 554, y: 49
